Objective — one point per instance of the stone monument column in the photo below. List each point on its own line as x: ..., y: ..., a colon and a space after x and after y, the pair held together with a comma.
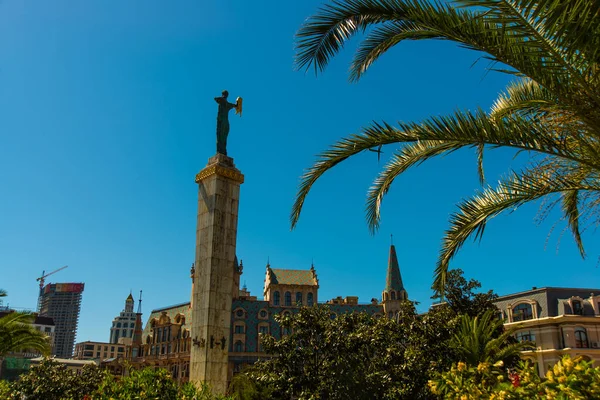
x: 213, y: 274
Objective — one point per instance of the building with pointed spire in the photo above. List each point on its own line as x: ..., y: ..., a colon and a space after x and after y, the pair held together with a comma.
x: 394, y: 292
x: 166, y: 339
x: 123, y: 325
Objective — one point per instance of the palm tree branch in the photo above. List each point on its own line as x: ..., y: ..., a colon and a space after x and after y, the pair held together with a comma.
x: 411, y: 154
x: 323, y: 34
x: 522, y: 96
x: 458, y: 130
x: 509, y: 11
x: 510, y: 193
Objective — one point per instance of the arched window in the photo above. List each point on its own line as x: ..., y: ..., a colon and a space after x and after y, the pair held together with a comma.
x: 118, y: 324
x: 309, y: 299
x: 390, y: 314
x: 276, y: 298
x: 238, y: 347
x: 288, y: 299
x: 581, y: 340
x: 522, y: 312
x: 298, y: 298
x: 393, y: 295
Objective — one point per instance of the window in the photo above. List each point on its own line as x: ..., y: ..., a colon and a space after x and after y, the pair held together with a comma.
x: 298, y: 298
x: 239, y: 313
x: 309, y: 299
x: 577, y: 307
x: 522, y: 312
x: 526, y: 336
x: 47, y: 330
x: 393, y: 295
x: 581, y: 341
x: 238, y: 347
x: 118, y: 324
x: 276, y: 298
x: 263, y: 314
x: 288, y: 299
x: 239, y: 329
x: 264, y: 329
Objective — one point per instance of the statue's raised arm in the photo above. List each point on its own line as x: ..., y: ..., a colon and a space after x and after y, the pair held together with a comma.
x: 223, y: 119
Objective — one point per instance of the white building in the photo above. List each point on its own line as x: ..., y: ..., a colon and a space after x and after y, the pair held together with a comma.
x: 123, y: 325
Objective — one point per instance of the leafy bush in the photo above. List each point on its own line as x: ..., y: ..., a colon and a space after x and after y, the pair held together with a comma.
x: 568, y: 379
x: 51, y: 380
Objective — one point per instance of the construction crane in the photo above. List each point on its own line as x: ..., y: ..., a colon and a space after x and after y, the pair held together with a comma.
x: 42, y: 280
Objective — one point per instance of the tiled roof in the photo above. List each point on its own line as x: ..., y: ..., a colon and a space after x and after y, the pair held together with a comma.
x: 172, y: 311
x: 292, y: 277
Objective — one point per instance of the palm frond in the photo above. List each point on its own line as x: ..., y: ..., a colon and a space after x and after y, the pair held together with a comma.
x: 410, y: 155
x: 524, y: 97
x: 17, y: 334
x: 570, y: 207
x: 461, y: 129
x: 323, y: 35
x: 511, y: 192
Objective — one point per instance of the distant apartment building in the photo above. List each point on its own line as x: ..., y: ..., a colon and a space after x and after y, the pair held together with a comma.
x: 62, y: 303
x: 559, y: 321
x: 99, y: 351
x: 124, y: 324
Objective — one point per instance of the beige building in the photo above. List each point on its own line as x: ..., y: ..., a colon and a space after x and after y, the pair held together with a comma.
x: 99, y: 350
x: 558, y: 320
x: 72, y: 365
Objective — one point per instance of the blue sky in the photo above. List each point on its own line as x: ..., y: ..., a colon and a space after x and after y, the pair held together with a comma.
x: 107, y: 114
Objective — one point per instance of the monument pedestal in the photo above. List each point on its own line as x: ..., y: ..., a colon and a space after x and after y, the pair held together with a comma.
x: 218, y: 197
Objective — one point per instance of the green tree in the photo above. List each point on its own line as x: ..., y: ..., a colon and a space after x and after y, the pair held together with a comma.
x: 460, y: 295
x: 476, y: 340
x: 355, y: 354
x: 551, y: 109
x: 150, y: 384
x: 51, y: 380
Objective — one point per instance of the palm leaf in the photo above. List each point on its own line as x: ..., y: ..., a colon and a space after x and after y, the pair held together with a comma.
x: 511, y: 193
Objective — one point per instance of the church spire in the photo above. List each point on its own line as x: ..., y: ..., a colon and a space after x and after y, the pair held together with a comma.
x: 394, y: 292
x: 393, y: 280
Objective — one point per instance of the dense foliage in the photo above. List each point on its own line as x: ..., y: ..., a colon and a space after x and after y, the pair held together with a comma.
x: 355, y: 353
x: 51, y: 380
x: 325, y: 357
x: 460, y: 295
x: 551, y: 109
x: 568, y: 379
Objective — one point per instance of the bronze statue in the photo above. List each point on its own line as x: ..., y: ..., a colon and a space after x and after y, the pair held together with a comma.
x: 223, y: 119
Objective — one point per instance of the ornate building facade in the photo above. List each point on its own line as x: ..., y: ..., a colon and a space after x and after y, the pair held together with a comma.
x: 123, y: 325
x: 166, y: 339
x: 560, y: 321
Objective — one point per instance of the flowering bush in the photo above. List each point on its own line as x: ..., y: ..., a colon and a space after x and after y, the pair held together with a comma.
x: 568, y: 379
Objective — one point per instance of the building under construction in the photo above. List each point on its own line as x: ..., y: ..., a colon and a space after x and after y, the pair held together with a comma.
x: 62, y: 302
